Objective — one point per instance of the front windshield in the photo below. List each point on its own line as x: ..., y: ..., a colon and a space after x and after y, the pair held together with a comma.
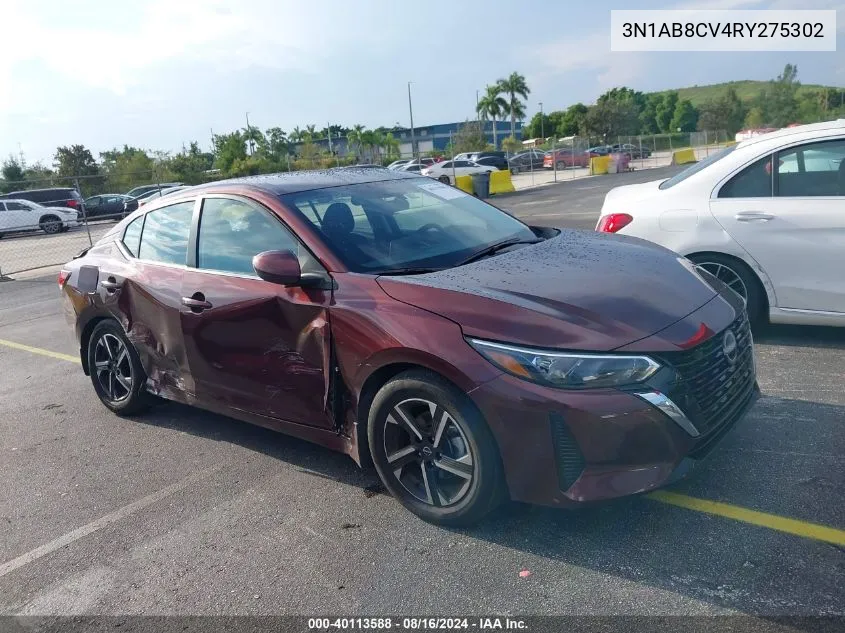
x: 696, y: 167
x: 398, y: 224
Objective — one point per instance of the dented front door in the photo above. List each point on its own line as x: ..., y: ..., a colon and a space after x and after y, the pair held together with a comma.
x: 257, y: 346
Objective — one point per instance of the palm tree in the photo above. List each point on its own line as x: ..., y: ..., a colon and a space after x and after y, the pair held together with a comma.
x: 514, y: 86
x: 310, y: 130
x: 491, y: 106
x: 355, y: 138
x: 391, y: 145
x: 295, y: 135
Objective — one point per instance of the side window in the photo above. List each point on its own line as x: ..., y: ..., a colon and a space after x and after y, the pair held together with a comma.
x: 446, y: 165
x: 755, y: 181
x: 815, y: 169
x: 132, y: 235
x: 165, y: 236
x: 232, y: 232
x: 93, y: 202
x: 16, y: 206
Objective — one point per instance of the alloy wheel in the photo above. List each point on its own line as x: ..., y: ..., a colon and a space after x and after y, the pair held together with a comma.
x: 727, y: 276
x: 428, y: 452
x: 51, y: 226
x: 113, y: 367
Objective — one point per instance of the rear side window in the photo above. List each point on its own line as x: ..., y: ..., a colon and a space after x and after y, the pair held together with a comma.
x: 132, y: 235
x: 166, y: 232
x: 815, y: 169
x: 755, y: 181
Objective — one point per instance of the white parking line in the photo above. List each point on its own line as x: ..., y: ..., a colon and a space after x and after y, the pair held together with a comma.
x: 99, y: 524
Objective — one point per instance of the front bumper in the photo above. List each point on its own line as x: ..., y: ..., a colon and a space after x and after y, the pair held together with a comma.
x: 564, y: 448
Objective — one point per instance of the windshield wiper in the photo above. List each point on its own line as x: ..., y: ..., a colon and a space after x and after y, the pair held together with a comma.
x: 408, y: 271
x: 495, y: 248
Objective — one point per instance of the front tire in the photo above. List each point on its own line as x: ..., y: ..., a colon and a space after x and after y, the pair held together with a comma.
x: 116, y: 371
x: 433, y: 450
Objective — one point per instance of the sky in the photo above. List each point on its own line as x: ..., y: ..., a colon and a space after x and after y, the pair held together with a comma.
x: 158, y: 74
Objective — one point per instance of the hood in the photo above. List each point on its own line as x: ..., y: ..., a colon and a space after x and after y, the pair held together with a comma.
x: 633, y: 193
x: 579, y: 290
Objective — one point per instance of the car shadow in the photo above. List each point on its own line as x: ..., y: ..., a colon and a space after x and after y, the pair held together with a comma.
x: 802, y: 336
x: 714, y: 560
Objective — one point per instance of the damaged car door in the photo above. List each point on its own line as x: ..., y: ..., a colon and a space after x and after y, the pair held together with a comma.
x: 253, y: 345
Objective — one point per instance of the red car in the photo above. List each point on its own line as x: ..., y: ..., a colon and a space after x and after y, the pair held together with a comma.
x: 471, y: 357
x: 567, y: 158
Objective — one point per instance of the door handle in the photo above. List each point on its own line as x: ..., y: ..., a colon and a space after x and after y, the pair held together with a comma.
x: 111, y: 285
x: 196, y: 303
x: 752, y: 216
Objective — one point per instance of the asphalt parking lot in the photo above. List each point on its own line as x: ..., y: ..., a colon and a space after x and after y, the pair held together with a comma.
x: 184, y: 512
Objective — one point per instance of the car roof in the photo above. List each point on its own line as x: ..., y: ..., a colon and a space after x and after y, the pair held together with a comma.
x: 838, y: 124
x: 297, y: 181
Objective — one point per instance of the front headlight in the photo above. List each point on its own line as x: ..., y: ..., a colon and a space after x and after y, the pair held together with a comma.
x: 567, y: 370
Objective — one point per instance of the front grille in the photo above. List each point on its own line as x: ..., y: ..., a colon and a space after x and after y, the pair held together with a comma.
x: 570, y: 461
x: 711, y: 390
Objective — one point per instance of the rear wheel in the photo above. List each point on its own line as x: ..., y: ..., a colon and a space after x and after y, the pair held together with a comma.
x: 561, y: 165
x: 50, y: 224
x: 739, y: 278
x: 445, y: 180
x: 116, y: 371
x: 433, y: 451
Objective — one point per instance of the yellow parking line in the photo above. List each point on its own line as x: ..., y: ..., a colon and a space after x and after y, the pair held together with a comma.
x: 763, y: 519
x: 38, y: 350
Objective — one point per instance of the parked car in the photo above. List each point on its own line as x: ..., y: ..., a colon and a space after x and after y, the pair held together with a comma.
x: 106, y: 205
x: 499, y: 162
x: 526, y: 161
x: 137, y: 192
x: 21, y: 215
x: 398, y: 163
x: 444, y: 172
x: 470, y: 356
x: 599, y: 150
x: 411, y: 167
x: 53, y: 197
x: 425, y: 162
x: 563, y: 158
x: 764, y: 216
x: 132, y: 204
x: 634, y: 151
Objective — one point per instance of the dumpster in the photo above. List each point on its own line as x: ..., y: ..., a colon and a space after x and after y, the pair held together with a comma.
x: 481, y: 185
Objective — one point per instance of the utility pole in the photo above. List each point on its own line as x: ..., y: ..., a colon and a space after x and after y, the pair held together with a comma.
x: 329, y: 130
x: 213, y: 149
x: 542, y: 123
x: 20, y: 153
x: 414, y: 153
x: 249, y: 134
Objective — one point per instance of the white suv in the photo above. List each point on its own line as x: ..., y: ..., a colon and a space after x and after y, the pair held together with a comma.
x: 22, y: 215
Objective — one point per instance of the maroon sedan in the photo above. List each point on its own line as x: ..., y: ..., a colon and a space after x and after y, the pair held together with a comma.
x: 396, y: 319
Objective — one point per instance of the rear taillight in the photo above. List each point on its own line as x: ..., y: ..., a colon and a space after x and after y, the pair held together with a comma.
x: 613, y: 222
x: 64, y: 275
x: 73, y: 203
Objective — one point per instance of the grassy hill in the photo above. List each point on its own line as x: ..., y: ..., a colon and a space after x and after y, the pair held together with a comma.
x: 746, y: 90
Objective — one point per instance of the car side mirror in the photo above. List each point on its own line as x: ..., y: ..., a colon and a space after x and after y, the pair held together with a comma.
x: 278, y: 267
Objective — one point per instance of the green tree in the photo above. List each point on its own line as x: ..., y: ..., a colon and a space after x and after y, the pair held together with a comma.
x: 75, y: 160
x: 13, y: 175
x: 665, y: 111
x: 725, y: 113
x: 295, y: 135
x: 274, y: 145
x: 190, y: 166
x: 492, y: 106
x: 648, y: 116
x: 391, y: 145
x: 611, y: 118
x: 685, y: 117
x: 513, y: 87
x: 512, y: 145
x: 755, y: 118
x: 229, y: 148
x: 573, y: 120
x: 252, y: 137
x: 355, y: 139
x: 469, y: 138
x: 539, y: 126
x: 782, y: 104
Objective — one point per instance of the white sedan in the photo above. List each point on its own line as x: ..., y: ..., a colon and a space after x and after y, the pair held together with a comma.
x: 18, y: 215
x: 766, y: 216
x: 448, y: 170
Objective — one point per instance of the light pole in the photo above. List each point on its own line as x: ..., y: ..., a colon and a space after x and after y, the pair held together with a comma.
x: 411, y: 113
x: 542, y: 123
x: 249, y: 134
